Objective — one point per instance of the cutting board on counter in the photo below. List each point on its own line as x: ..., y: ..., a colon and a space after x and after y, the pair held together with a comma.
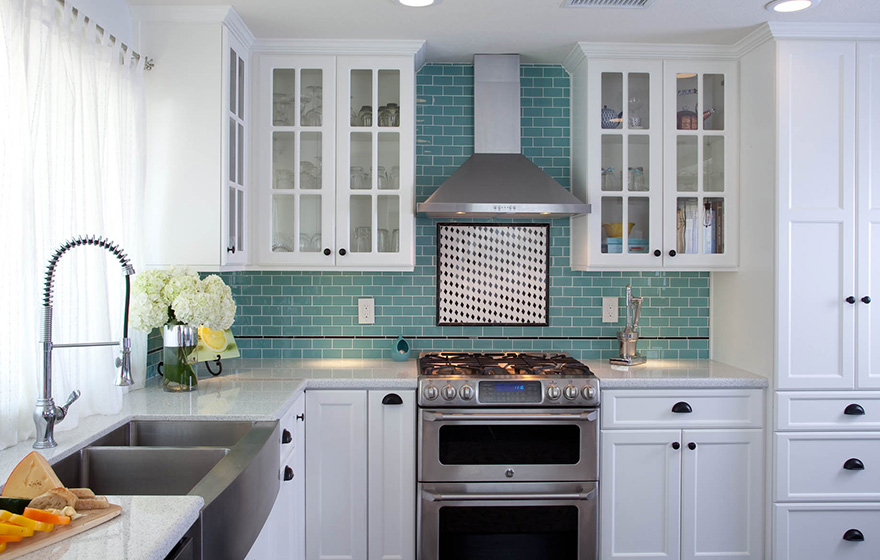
x: 91, y: 518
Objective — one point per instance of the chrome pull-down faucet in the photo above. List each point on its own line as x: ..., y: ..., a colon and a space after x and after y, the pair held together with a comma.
x: 46, y: 414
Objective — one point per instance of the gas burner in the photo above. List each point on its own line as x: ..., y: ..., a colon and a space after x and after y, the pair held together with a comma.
x: 500, y: 363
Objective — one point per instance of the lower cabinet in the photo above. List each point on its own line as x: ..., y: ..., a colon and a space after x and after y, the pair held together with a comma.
x: 361, y: 468
x: 686, y: 491
x: 827, y: 531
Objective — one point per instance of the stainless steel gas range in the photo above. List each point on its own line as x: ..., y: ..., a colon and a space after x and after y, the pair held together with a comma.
x: 508, y: 457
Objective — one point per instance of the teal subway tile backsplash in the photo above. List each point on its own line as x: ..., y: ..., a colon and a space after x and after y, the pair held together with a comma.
x: 313, y: 314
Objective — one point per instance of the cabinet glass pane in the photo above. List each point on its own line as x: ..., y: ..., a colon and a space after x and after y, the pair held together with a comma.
x: 389, y: 98
x: 311, y: 97
x: 283, y: 159
x: 638, y: 108
x: 713, y: 163
x: 240, y: 154
x: 687, y: 233
x: 612, y: 99
x: 713, y: 225
x: 388, y: 233
x: 713, y: 102
x: 310, y: 224
x: 240, y: 89
x: 310, y: 160
x: 283, y: 223
x: 232, y: 149
x: 361, y: 160
x: 639, y: 215
x: 233, y: 87
x: 638, y: 158
x: 686, y: 176
x: 612, y: 162
x: 361, y: 223
x: 687, y: 101
x: 361, y: 98
x: 239, y: 222
x: 283, y: 96
x: 612, y: 230
x: 388, y: 170
x: 230, y: 242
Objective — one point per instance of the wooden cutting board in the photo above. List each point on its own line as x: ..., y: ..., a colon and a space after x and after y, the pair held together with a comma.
x: 90, y: 518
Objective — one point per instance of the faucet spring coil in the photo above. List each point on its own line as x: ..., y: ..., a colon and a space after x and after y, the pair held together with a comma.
x: 76, y: 242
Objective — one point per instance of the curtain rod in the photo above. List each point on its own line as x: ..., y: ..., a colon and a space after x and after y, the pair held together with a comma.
x: 148, y: 62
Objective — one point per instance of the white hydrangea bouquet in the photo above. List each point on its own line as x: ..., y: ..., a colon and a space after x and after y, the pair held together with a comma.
x: 177, y: 300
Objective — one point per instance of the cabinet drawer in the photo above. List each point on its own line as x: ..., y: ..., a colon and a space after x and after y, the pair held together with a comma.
x: 828, y: 411
x: 811, y: 466
x: 816, y: 531
x: 709, y: 408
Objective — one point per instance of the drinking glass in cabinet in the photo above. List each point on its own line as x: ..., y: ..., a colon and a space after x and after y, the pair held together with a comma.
x: 389, y: 115
x: 362, y: 239
x: 381, y: 177
x: 365, y: 116
x: 636, y: 179
x: 359, y: 178
x: 383, y: 239
x: 394, y: 178
x: 638, y: 110
x: 609, y: 180
x: 309, y: 243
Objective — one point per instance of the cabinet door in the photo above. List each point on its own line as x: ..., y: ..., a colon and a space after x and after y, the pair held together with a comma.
x: 700, y: 112
x: 296, y: 150
x: 722, y: 494
x: 623, y: 163
x: 336, y: 466
x: 868, y: 215
x: 392, y: 466
x: 641, y: 487
x: 816, y: 218
x: 376, y: 162
x: 236, y: 236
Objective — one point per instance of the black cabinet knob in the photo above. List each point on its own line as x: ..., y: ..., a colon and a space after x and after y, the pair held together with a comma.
x: 682, y: 408
x: 866, y: 299
x: 392, y: 398
x: 675, y: 445
x: 854, y: 465
x: 853, y: 535
x: 288, y: 473
x: 692, y: 446
x: 851, y: 300
x: 854, y: 410
x: 231, y: 249
x: 672, y: 253
x: 286, y: 437
x: 327, y: 251
x: 301, y: 417
x: 657, y: 252
x: 342, y: 252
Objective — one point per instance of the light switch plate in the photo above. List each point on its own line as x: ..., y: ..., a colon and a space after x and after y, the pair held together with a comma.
x: 366, y: 311
x: 610, y: 310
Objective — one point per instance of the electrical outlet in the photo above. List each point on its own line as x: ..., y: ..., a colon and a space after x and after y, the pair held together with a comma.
x: 609, y: 310
x: 366, y: 311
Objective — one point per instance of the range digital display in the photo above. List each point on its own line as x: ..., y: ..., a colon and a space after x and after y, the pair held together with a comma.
x: 498, y: 392
x: 510, y: 387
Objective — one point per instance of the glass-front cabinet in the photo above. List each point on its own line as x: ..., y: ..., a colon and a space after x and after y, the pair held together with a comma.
x: 336, y: 144
x: 235, y: 168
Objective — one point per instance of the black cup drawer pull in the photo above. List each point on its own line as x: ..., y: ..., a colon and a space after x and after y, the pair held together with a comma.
x: 682, y: 408
x: 286, y: 437
x: 854, y: 465
x: 854, y: 410
x: 288, y: 473
x: 392, y: 398
x: 853, y: 535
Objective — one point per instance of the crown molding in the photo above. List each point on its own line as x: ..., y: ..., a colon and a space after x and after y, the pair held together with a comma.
x: 182, y: 14
x: 349, y: 47
x: 239, y: 28
x: 753, y: 40
x: 825, y: 31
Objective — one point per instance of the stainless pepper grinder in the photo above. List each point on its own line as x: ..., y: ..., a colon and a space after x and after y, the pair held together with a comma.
x: 629, y: 336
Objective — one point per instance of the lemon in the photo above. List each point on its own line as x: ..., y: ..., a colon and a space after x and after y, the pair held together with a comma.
x: 215, y: 340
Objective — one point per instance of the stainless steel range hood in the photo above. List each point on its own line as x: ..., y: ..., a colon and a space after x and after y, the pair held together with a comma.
x: 498, y: 181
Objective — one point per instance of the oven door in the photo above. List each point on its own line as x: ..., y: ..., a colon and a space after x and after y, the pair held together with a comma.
x: 522, y: 521
x: 511, y: 445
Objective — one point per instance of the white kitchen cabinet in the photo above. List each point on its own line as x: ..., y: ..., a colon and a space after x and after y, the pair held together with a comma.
x: 826, y: 531
x: 680, y: 493
x: 196, y: 192
x: 654, y: 147
x: 361, y: 474
x: 336, y: 161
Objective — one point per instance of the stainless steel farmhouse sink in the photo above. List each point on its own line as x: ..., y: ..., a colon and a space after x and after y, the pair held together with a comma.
x: 232, y: 465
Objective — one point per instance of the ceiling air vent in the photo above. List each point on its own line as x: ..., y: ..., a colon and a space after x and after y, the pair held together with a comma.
x: 608, y: 3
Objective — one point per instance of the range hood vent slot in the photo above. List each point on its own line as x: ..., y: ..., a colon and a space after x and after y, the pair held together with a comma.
x: 638, y: 4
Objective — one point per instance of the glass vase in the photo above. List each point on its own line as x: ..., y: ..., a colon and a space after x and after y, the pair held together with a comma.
x: 179, y: 357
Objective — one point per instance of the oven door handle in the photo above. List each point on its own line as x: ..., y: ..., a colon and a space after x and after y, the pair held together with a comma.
x: 433, y: 416
x: 432, y: 497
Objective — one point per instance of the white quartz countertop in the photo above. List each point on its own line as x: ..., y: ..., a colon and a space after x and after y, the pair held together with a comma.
x: 256, y: 390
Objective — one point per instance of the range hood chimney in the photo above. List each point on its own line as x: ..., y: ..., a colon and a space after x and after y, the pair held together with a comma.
x: 498, y: 181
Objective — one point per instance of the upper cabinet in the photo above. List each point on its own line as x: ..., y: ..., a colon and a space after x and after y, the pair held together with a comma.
x: 654, y: 153
x: 335, y: 157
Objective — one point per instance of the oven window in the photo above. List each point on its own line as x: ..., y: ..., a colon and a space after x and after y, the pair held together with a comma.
x: 509, y: 533
x: 506, y: 444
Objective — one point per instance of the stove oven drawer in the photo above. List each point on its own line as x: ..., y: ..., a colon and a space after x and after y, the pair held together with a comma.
x: 683, y: 408
x: 520, y: 445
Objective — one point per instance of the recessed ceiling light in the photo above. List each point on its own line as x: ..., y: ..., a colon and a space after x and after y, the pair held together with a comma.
x: 417, y: 3
x: 790, y: 5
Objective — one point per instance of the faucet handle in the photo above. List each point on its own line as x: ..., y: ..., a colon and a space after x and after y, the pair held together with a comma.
x: 61, y: 411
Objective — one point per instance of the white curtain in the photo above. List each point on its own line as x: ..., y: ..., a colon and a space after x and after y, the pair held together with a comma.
x: 71, y: 163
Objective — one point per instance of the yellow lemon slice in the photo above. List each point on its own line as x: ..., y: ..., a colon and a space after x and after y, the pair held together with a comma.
x: 215, y: 340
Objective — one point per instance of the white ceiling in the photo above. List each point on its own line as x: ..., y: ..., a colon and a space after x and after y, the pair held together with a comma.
x: 540, y: 30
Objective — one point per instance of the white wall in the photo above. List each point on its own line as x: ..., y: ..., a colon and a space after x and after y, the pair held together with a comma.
x: 112, y: 15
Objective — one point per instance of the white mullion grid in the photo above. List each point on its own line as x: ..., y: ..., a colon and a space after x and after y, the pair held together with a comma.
x: 374, y: 162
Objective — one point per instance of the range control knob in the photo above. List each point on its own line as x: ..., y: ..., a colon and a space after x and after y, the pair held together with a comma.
x: 553, y: 392
x: 431, y: 392
x: 588, y: 392
x: 449, y: 392
x: 570, y: 392
x: 466, y: 392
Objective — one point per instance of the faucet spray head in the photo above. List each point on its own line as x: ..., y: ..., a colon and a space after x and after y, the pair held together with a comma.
x: 123, y: 362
